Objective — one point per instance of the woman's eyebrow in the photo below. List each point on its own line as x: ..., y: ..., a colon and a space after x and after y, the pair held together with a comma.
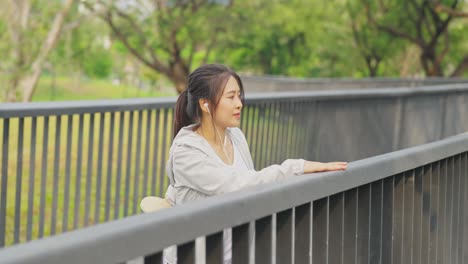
x: 232, y: 91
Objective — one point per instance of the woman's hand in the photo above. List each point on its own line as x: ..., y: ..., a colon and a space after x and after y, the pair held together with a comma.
x: 313, y: 166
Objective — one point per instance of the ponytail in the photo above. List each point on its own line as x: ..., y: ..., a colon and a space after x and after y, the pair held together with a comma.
x: 181, y: 116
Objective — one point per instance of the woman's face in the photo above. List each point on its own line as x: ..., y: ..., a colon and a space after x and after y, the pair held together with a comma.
x: 228, y: 110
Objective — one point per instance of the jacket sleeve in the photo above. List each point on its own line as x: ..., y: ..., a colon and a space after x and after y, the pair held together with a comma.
x: 196, y: 170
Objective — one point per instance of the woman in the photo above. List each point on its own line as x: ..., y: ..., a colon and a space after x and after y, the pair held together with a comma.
x: 209, y: 154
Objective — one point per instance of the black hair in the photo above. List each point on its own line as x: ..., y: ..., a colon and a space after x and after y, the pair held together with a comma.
x: 206, y: 82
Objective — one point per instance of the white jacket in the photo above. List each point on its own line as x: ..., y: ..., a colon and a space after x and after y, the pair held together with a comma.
x: 195, y: 172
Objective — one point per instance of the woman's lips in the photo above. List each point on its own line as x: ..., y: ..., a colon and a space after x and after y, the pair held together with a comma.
x: 237, y: 115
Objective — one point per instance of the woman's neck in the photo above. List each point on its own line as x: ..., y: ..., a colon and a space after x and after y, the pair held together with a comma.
x: 212, y: 133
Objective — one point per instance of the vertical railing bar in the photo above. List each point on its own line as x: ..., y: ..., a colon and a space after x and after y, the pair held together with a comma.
x: 398, y: 216
x: 67, y: 173
x: 274, y: 135
x: 163, y: 153
x: 408, y: 196
x: 369, y: 221
x: 186, y: 253
x: 129, y: 163
x: 110, y: 165
x: 257, y: 144
x: 465, y: 203
x: 335, y: 228
x: 155, y: 152
x: 441, y: 213
x: 381, y: 220
x: 437, y: 210
x: 119, y: 165
x: 263, y: 237
x: 302, y: 233
x: 149, y: 113
x: 240, y: 244
x: 32, y: 172
x: 89, y: 171
x: 136, y: 185
x: 277, y: 137
x: 3, y: 192
x: 168, y: 144
x: 387, y: 219
x: 356, y: 238
x: 460, y: 211
x: 284, y: 236
x: 291, y: 120
x: 320, y: 230
x: 99, y: 172
x: 449, y: 210
x: 286, y: 130
x: 462, y: 205
x: 214, y: 248
x: 425, y: 212
x: 58, y: 129
x: 277, y: 158
x: 349, y: 226
x: 305, y: 129
x: 299, y: 131
x: 454, y: 222
x: 292, y: 141
x: 45, y: 152
x: 418, y: 213
x: 297, y: 137
x: 156, y: 258
x: 261, y: 143
x: 431, y: 205
x: 79, y: 161
x: 269, y: 138
x: 19, y: 180
x: 250, y: 115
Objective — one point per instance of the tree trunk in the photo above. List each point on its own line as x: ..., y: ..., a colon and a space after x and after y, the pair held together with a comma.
x: 432, y: 67
x: 179, y: 76
x: 461, y: 68
x: 30, y: 81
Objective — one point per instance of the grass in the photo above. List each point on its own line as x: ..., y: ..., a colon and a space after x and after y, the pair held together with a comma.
x: 66, y: 88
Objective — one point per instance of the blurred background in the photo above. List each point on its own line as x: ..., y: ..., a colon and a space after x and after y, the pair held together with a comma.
x: 77, y: 50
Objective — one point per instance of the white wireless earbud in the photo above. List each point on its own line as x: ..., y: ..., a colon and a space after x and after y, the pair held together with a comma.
x: 206, y: 106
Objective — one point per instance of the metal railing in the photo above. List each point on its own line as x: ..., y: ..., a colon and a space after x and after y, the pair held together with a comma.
x: 402, y: 207
x: 72, y: 164
x: 278, y: 83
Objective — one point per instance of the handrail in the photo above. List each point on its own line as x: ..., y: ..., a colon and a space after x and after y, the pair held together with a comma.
x: 9, y: 110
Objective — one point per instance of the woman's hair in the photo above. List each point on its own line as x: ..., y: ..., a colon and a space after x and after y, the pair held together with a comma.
x: 206, y: 82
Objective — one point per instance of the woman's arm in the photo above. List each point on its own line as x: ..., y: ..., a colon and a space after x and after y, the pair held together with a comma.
x: 194, y: 169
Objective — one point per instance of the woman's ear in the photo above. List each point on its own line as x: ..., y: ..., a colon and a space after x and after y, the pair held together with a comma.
x: 204, y: 105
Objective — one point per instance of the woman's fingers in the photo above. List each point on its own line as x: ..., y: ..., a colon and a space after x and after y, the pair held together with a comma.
x: 337, y: 165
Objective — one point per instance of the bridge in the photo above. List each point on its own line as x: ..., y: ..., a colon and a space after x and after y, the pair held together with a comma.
x: 71, y: 165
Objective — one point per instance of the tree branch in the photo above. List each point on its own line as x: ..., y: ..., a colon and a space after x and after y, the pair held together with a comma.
x: 461, y: 68
x: 154, y: 64
x: 440, y: 8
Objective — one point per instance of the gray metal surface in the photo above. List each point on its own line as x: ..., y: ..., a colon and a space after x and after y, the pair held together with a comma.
x: 276, y: 83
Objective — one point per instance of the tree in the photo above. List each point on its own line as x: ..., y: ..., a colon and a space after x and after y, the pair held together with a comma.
x: 166, y: 36
x: 31, y: 38
x: 373, y: 45
x: 423, y: 23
